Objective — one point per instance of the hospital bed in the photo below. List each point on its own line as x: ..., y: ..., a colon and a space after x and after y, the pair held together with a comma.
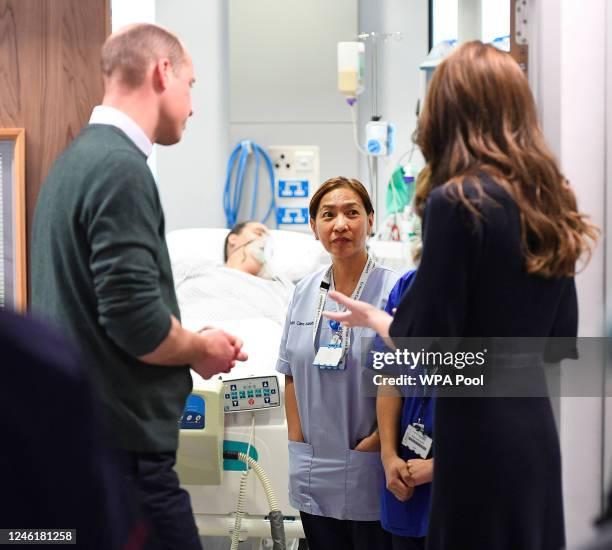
x: 214, y: 495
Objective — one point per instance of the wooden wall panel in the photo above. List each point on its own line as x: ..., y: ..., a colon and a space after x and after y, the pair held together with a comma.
x: 49, y: 76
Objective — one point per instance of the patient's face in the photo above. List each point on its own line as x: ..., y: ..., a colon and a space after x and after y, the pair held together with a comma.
x: 240, y: 256
x: 250, y: 232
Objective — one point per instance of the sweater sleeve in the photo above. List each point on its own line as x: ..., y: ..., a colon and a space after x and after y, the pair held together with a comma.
x: 122, y: 217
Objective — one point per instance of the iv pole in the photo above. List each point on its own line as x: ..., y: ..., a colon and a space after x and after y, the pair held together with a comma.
x: 374, y: 39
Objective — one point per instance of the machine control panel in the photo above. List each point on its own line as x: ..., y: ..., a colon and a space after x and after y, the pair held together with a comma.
x: 250, y: 394
x: 194, y: 415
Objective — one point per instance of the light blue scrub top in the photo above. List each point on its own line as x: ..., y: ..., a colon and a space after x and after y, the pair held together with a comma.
x: 326, y: 476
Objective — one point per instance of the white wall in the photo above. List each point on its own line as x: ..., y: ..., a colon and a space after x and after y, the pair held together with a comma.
x: 191, y: 174
x: 125, y: 12
x: 583, y: 161
x: 283, y: 78
x: 608, y: 270
x: 568, y: 76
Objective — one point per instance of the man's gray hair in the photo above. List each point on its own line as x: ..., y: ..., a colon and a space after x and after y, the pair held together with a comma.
x: 128, y: 53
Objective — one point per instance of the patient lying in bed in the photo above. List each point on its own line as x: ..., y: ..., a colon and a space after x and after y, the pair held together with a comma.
x: 244, y: 288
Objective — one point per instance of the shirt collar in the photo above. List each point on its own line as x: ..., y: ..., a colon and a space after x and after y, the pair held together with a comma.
x: 104, y: 114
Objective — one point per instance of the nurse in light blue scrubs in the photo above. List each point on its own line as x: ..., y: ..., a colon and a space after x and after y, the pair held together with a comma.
x: 335, y: 474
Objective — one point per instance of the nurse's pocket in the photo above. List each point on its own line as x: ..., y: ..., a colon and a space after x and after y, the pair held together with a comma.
x: 364, y: 479
x: 300, y: 463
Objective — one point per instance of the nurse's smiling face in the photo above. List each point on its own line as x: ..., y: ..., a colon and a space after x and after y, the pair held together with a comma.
x: 342, y: 224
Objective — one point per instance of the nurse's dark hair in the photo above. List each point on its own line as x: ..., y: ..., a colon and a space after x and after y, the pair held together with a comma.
x: 335, y: 183
x: 479, y: 117
x: 236, y: 230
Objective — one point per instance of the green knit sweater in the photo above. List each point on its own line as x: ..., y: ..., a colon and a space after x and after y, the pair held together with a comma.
x: 101, y: 272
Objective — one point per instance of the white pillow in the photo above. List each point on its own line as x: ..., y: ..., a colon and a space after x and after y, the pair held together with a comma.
x: 295, y: 254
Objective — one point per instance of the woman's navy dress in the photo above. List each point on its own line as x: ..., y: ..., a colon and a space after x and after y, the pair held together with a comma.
x: 497, y: 476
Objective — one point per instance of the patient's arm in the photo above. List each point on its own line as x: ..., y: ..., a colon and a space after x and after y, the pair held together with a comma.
x: 209, y: 352
x: 294, y: 426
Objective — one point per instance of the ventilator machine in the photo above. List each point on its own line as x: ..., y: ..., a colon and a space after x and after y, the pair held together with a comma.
x: 213, y: 457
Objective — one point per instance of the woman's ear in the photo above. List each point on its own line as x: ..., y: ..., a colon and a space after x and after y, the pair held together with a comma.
x: 313, y: 226
x: 370, y: 222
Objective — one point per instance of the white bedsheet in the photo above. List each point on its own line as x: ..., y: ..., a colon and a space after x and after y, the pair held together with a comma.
x: 209, y: 295
x: 261, y: 339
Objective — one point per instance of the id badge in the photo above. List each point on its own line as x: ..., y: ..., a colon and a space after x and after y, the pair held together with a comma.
x: 417, y: 440
x: 329, y: 357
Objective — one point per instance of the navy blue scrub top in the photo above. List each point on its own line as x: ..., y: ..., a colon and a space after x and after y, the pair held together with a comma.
x: 410, y: 518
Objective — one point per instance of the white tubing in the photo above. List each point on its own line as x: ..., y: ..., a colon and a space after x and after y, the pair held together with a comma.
x: 242, y: 493
x: 352, y: 108
x: 263, y: 478
x: 239, y: 510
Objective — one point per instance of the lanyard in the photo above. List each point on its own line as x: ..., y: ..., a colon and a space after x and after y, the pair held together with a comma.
x: 422, y: 405
x: 324, y: 289
x: 424, y: 397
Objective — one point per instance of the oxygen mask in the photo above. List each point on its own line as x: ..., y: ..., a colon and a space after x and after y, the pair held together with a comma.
x: 261, y: 250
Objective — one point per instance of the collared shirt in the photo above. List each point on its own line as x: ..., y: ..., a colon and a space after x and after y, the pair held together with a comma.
x: 104, y: 114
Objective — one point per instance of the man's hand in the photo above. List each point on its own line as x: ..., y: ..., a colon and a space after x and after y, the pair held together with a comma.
x: 220, y: 351
x: 420, y: 471
x: 397, y: 476
x: 237, y: 344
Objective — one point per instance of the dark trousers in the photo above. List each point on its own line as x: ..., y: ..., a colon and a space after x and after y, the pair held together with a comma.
x: 408, y: 543
x: 325, y: 533
x: 164, y: 506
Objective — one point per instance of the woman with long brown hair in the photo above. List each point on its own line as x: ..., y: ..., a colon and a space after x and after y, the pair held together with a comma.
x: 502, y: 237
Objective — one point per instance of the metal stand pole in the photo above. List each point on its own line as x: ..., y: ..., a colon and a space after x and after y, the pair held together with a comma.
x: 374, y: 182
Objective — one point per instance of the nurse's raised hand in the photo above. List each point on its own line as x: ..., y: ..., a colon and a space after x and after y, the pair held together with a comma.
x: 359, y: 314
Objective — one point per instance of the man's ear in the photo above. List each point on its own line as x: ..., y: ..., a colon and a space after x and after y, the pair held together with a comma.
x: 161, y: 73
x: 231, y: 240
x: 313, y: 226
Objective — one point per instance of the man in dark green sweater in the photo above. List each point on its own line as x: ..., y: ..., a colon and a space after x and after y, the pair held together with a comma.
x: 101, y: 271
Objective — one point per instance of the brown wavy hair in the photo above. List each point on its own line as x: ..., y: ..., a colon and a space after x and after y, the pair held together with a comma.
x: 479, y: 117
